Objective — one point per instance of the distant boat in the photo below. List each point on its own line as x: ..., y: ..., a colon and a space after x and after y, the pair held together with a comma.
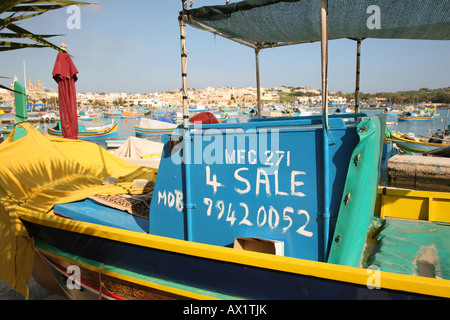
x: 112, y: 113
x: 230, y: 112
x: 422, y: 115
x: 391, y: 111
x: 221, y: 119
x: 131, y: 115
x: 151, y: 127
x: 409, y: 143
x: 89, y: 130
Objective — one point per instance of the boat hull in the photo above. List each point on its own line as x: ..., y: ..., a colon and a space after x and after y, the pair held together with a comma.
x: 406, y: 118
x: 415, y: 146
x: 108, y: 133
x: 141, y: 131
x: 133, y: 265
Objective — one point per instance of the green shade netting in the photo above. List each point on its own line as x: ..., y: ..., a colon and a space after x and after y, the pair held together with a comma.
x: 410, y: 247
x: 298, y: 21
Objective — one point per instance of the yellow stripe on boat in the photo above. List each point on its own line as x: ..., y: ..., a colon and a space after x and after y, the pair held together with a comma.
x: 393, y: 281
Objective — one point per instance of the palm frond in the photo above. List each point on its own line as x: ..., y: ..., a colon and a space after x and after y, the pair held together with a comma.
x: 17, y: 10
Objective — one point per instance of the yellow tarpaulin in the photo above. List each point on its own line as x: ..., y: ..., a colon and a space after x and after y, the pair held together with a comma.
x: 39, y: 171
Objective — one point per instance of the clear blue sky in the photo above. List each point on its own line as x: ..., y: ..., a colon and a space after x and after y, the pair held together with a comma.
x: 133, y: 46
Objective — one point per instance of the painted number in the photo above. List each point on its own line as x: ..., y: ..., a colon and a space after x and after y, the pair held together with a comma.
x: 271, y: 217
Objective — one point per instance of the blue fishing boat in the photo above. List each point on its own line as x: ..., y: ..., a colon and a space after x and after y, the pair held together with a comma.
x: 275, y: 208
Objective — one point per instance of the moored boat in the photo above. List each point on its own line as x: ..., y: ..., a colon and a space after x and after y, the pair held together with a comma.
x: 410, y: 143
x: 131, y: 115
x: 88, y: 130
x: 150, y: 127
x: 419, y: 115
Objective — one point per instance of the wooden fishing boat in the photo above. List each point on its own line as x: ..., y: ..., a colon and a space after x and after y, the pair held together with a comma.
x: 89, y: 130
x: 112, y: 113
x: 223, y: 118
x: 277, y: 208
x: 150, y: 127
x: 391, y: 111
x: 131, y: 115
x: 409, y: 143
x: 116, y: 252
x: 422, y: 115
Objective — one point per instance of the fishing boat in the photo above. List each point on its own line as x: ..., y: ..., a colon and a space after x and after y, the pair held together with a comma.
x: 88, y: 130
x: 276, y: 208
x: 417, y: 115
x: 150, y: 127
x: 410, y: 143
x: 223, y: 118
x: 112, y: 113
x: 230, y: 112
x: 391, y: 111
x: 131, y: 115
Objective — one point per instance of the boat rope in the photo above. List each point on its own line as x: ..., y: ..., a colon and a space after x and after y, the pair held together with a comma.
x: 101, y: 284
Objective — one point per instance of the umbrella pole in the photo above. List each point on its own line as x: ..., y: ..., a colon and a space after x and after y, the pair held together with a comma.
x: 324, y: 66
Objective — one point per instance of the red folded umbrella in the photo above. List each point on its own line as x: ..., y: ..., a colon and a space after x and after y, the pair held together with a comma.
x: 65, y: 74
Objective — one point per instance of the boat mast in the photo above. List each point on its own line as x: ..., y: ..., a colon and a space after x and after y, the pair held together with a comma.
x: 326, y: 171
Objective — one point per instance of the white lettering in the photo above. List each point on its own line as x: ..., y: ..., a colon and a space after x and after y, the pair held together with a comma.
x: 252, y: 161
x: 179, y: 200
x: 170, y: 199
x: 241, y: 156
x: 295, y: 184
x: 230, y: 158
x: 277, y: 191
x: 259, y: 181
x: 302, y: 230
x: 241, y: 179
x: 212, y: 182
x: 162, y: 196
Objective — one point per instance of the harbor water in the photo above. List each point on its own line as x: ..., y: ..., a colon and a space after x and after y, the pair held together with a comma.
x: 418, y: 128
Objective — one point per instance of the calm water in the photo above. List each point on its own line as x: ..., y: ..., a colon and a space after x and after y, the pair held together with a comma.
x: 426, y: 128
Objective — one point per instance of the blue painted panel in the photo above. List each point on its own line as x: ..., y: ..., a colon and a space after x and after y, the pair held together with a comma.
x: 260, y: 179
x: 90, y: 211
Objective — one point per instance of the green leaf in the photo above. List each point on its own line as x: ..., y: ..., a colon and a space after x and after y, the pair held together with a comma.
x: 38, y: 7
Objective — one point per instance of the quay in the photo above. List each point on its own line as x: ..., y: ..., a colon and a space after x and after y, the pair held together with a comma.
x: 419, y: 172
x: 30, y: 119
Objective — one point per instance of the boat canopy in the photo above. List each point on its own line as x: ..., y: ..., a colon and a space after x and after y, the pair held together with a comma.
x: 270, y: 23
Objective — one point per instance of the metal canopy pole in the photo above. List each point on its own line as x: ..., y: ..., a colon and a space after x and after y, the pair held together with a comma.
x: 326, y: 169
x: 258, y: 86
x: 182, y: 20
x: 186, y: 135
x: 358, y: 64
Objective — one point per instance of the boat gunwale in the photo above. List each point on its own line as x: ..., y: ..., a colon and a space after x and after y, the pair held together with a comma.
x: 335, y: 272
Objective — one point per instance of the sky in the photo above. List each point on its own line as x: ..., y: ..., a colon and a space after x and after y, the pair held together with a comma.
x: 133, y: 46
